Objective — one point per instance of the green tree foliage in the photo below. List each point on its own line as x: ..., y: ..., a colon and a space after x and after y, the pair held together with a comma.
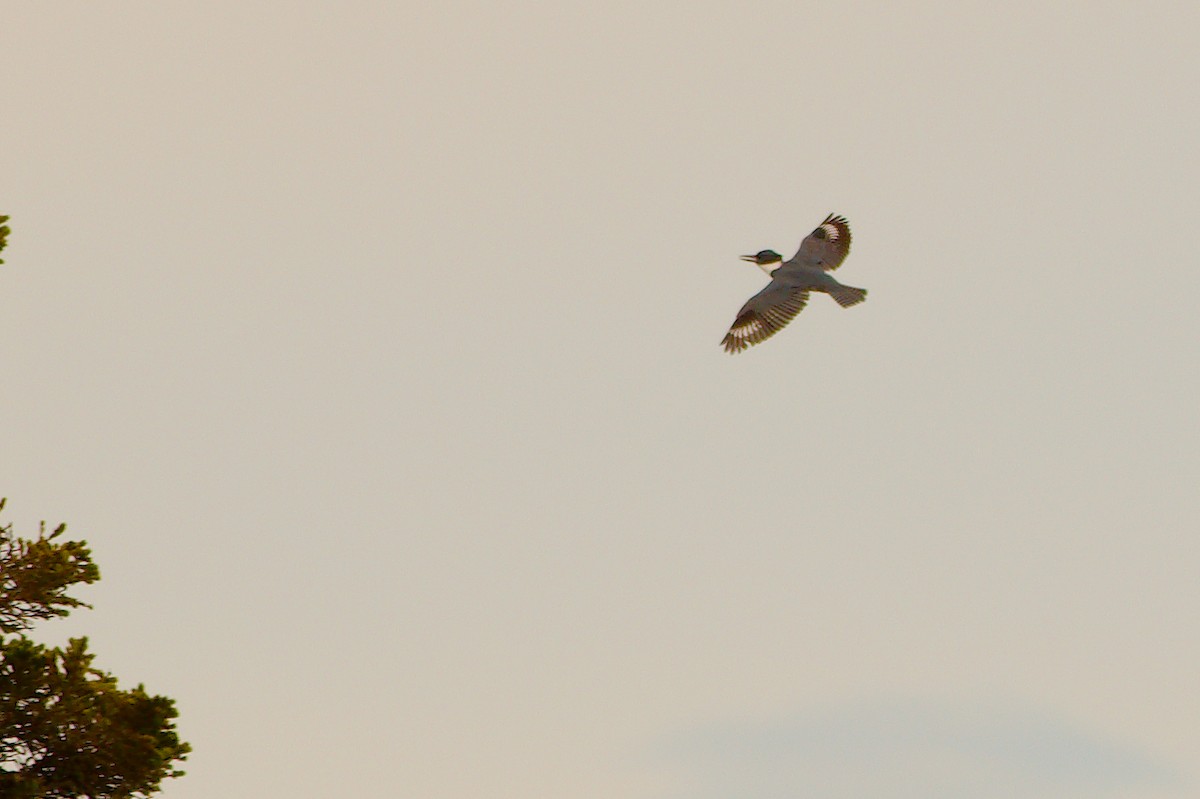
x: 35, y: 576
x: 4, y: 231
x: 66, y: 729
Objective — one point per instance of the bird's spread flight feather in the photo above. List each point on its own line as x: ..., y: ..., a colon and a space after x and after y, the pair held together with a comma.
x: 827, y: 246
x: 764, y: 315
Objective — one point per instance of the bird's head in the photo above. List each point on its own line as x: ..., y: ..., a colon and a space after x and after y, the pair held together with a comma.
x: 767, y: 260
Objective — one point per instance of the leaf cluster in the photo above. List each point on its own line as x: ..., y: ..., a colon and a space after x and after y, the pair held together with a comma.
x: 69, y: 731
x: 66, y: 729
x: 4, y: 231
x: 35, y: 576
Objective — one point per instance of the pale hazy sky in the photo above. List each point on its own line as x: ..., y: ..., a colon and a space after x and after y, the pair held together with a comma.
x: 374, y: 348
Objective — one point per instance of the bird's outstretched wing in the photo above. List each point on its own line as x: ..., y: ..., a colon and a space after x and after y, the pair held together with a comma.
x: 827, y: 246
x: 764, y: 315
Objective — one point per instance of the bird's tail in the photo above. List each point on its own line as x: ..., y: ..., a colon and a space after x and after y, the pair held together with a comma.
x: 847, y: 295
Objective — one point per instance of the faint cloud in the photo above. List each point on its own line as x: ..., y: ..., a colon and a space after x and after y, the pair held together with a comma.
x: 911, y: 749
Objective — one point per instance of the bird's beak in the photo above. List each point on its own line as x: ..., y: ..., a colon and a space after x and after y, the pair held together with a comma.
x: 751, y: 258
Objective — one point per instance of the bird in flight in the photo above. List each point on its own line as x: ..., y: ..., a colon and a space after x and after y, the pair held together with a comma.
x: 769, y: 311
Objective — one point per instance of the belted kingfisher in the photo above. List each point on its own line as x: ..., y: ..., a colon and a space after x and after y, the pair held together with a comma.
x: 769, y: 311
